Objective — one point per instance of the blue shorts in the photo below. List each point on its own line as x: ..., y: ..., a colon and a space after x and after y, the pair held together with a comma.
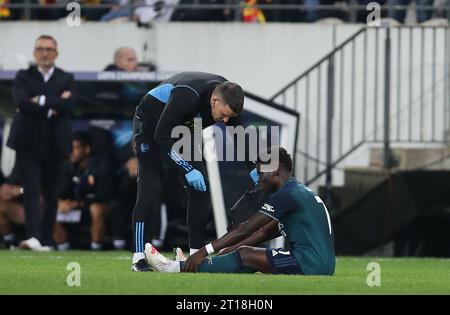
x: 283, y: 261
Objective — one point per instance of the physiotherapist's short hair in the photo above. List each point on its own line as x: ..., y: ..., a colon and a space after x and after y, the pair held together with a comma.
x: 232, y: 94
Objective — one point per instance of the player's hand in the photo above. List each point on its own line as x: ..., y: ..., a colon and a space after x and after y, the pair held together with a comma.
x: 52, y: 112
x: 196, y: 180
x: 4, y: 193
x: 14, y: 190
x: 132, y: 166
x: 35, y: 99
x: 254, y: 175
x: 192, y: 263
x: 66, y: 94
x: 64, y: 206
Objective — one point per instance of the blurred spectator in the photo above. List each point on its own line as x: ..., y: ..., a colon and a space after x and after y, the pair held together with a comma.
x: 11, y: 209
x: 149, y: 11
x: 442, y: 9
x: 251, y: 13
x: 400, y: 14
x: 46, y: 11
x: 205, y: 15
x: 120, y: 9
x: 5, y: 13
x: 312, y: 14
x: 125, y: 59
x: 91, y: 12
x: 87, y: 188
x: 279, y: 15
x: 11, y: 13
x: 40, y: 135
x: 145, y: 12
x: 104, y: 147
x: 102, y: 139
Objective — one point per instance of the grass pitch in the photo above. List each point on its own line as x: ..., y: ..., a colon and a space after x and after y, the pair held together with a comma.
x: 26, y: 272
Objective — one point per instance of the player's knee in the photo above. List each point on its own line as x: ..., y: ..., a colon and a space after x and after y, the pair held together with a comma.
x: 244, y: 253
x: 97, y: 212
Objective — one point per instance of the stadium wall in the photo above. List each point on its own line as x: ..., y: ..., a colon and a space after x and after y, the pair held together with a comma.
x: 261, y: 57
x: 410, y: 66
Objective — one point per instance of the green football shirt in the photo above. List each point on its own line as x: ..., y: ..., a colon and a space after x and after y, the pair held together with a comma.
x: 305, y: 223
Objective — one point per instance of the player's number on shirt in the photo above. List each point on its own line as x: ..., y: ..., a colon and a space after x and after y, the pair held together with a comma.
x: 326, y: 211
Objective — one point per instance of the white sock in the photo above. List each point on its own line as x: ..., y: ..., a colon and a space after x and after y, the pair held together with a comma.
x: 63, y: 246
x: 173, y: 266
x: 9, y: 237
x: 119, y: 244
x: 192, y: 251
x: 138, y: 256
x: 96, y: 246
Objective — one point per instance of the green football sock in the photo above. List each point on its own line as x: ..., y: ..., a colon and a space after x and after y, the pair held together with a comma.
x: 228, y: 263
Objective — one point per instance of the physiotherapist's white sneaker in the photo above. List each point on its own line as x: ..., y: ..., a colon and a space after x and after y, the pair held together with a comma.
x: 34, y: 244
x: 158, y: 261
x: 31, y: 243
x: 45, y: 249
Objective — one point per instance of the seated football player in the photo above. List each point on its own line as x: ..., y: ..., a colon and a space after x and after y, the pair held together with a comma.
x: 86, y: 189
x: 291, y: 210
x: 12, y: 213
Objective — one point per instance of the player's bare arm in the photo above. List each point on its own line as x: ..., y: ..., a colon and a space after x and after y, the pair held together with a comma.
x: 267, y: 232
x: 231, y: 238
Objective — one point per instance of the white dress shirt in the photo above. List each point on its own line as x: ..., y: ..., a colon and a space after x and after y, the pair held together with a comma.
x: 46, y: 76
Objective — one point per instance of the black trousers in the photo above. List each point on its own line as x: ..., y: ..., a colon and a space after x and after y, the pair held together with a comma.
x: 151, y: 165
x: 40, y: 175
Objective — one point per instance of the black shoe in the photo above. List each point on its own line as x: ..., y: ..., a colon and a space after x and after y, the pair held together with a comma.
x: 141, y: 266
x: 8, y: 244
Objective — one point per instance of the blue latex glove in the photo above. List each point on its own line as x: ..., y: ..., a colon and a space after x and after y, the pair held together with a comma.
x: 196, y: 180
x: 254, y: 175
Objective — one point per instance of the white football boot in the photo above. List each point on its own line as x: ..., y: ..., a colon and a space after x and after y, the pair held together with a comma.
x: 158, y: 261
x: 179, y: 255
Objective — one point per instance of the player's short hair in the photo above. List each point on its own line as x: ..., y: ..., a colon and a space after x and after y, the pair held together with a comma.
x: 48, y: 37
x: 232, y: 94
x: 83, y: 137
x: 283, y: 156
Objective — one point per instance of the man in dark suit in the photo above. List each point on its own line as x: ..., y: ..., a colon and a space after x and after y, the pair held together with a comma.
x: 41, y: 136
